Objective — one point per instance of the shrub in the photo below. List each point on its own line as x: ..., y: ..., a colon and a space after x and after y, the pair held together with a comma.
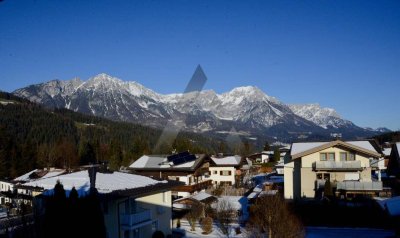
x: 206, y: 225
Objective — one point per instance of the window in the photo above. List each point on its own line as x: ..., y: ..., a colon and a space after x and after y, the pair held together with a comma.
x: 327, y: 156
x: 215, y: 172
x: 352, y: 156
x: 327, y: 176
x: 225, y: 173
x: 331, y: 156
x: 322, y: 156
x: 343, y: 156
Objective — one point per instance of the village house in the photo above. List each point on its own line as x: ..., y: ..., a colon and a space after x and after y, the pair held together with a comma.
x: 132, y: 205
x: 225, y: 170
x: 13, y: 194
x: 192, y: 170
x: 347, y: 166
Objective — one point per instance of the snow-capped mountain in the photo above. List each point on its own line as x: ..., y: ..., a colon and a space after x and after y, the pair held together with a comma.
x: 246, y: 109
x: 323, y: 117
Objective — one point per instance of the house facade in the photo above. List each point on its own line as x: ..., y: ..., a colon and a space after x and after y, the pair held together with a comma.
x: 225, y: 170
x: 192, y: 170
x: 345, y: 165
x: 132, y: 205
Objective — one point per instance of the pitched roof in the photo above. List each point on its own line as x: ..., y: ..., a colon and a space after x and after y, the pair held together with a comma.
x: 227, y: 160
x: 105, y: 182
x: 25, y: 177
x: 305, y: 148
x: 398, y: 149
x: 160, y: 162
x: 39, y: 174
x: 200, y: 197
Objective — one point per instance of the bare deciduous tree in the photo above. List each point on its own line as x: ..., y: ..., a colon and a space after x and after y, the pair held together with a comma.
x: 271, y: 215
x: 195, y: 212
x: 224, y: 215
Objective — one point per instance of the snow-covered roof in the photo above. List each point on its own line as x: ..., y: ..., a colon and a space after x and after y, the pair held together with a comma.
x: 53, y: 173
x: 227, y: 160
x: 363, y: 144
x: 43, y: 173
x: 302, y: 147
x: 387, y: 151
x: 161, y: 162
x: 398, y: 148
x: 253, y: 195
x: 200, y: 196
x: 105, y: 182
x: 25, y: 177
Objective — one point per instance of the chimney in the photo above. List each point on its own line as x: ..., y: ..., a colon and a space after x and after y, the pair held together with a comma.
x: 92, y: 176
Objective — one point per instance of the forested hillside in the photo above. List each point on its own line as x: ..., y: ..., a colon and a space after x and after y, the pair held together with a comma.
x: 34, y: 137
x: 388, y: 137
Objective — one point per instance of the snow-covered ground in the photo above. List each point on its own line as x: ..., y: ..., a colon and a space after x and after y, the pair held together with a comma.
x: 185, y: 229
x: 311, y: 232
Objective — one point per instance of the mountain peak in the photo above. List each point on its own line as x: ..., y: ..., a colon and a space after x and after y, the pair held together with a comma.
x: 246, y: 89
x: 104, y: 76
x: 322, y: 116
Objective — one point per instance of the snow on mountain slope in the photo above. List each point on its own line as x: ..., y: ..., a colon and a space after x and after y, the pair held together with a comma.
x: 323, y: 117
x: 247, y: 109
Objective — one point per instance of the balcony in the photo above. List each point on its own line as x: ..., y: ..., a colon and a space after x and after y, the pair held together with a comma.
x: 337, y: 165
x: 360, y: 186
x: 193, y: 187
x: 135, y: 220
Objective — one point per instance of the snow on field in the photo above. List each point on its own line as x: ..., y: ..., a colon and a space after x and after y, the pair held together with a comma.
x: 311, y: 232
x: 185, y: 229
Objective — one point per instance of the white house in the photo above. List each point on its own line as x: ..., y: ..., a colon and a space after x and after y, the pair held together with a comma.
x: 133, y: 205
x: 224, y: 170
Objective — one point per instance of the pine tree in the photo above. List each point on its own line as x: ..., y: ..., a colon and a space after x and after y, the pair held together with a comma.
x: 266, y: 146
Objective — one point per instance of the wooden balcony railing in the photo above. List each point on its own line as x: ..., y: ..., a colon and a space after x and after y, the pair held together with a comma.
x: 193, y: 187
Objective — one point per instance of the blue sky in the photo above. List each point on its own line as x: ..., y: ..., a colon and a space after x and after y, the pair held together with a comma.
x: 341, y: 54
